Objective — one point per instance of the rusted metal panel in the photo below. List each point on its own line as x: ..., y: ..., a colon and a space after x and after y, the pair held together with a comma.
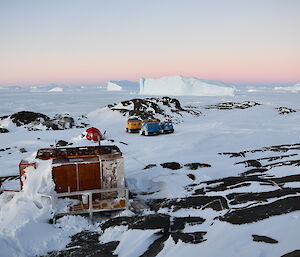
x: 77, y: 176
x: 76, y: 152
x: 65, y: 178
x: 89, y: 176
x: 22, y: 166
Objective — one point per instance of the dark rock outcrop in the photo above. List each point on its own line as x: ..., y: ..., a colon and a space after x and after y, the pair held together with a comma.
x: 263, y: 211
x: 264, y: 239
x: 25, y: 117
x: 171, y: 165
x: 285, y: 110
x: 196, y: 165
x: 86, y: 244
x: 232, y: 105
x: 150, y: 108
x: 4, y: 130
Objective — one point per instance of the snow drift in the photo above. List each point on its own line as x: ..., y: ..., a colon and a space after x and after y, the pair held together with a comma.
x: 187, y: 86
x: 123, y: 85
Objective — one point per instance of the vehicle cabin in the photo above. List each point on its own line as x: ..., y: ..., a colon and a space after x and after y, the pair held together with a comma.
x: 150, y: 127
x: 93, y: 175
x: 133, y: 125
x: 166, y: 127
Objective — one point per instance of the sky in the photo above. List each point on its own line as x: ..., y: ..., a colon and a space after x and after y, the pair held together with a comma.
x: 88, y: 42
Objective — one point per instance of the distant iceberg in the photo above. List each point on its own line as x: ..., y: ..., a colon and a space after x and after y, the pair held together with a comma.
x: 56, y: 89
x: 123, y: 85
x: 13, y: 88
x: 294, y: 88
x: 184, y: 86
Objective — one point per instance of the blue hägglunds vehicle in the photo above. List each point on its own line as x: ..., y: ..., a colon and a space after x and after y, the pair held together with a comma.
x: 166, y: 127
x: 150, y: 127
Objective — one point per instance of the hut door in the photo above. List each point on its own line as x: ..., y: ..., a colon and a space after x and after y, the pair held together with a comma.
x: 65, y: 178
x: 88, y: 176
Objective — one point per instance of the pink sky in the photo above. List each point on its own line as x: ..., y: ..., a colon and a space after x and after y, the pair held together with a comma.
x: 72, y: 42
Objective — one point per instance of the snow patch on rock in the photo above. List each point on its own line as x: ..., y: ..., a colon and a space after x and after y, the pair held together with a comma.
x: 186, y: 86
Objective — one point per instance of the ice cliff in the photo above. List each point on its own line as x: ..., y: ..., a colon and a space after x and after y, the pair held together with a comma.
x: 125, y: 85
x: 180, y: 85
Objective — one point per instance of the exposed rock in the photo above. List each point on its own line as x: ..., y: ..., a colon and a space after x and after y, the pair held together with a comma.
x: 169, y: 227
x: 151, y: 221
x: 235, y: 182
x: 285, y: 110
x: 194, y: 238
x: 275, y: 148
x: 118, y: 221
x: 260, y: 212
x: 4, y: 117
x: 171, y: 165
x: 191, y: 176
x: 150, y: 108
x: 295, y: 253
x: 22, y: 150
x: 240, y: 154
x: 253, y: 171
x: 26, y: 117
x: 86, y: 244
x: 37, y: 121
x: 216, y: 203
x: 196, y: 165
x: 4, y: 130
x: 238, y: 198
x: 156, y: 246
x: 264, y: 239
x: 178, y: 223
x: 149, y: 166
x: 232, y: 105
x: 284, y: 163
x: 251, y: 163
x: 63, y: 121
x: 62, y: 143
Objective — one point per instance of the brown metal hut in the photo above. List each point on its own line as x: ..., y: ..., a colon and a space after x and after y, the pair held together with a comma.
x: 83, y: 169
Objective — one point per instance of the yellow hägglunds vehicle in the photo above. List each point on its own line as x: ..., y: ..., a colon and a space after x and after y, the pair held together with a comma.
x: 133, y: 125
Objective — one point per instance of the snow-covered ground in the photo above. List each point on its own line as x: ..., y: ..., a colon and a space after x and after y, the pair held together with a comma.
x: 24, y: 227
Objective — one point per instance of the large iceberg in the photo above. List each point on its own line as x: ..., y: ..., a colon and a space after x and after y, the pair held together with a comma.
x: 186, y: 86
x: 123, y: 85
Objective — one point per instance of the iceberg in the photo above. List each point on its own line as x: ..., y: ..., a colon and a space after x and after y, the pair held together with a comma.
x: 123, y: 85
x: 184, y: 86
x: 56, y: 89
x: 294, y: 89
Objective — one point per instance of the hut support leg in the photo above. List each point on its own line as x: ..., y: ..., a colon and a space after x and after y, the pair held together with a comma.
x: 90, y: 205
x: 127, y: 198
